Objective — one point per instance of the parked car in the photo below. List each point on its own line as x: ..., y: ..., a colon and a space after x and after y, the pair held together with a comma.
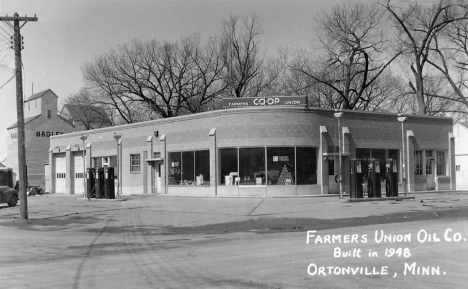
x: 7, y: 193
x: 30, y: 190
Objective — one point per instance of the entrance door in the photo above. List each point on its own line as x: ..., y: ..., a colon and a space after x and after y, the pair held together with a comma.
x: 78, y: 173
x: 333, y: 171
x: 157, y: 174
x: 430, y: 170
x: 60, y: 169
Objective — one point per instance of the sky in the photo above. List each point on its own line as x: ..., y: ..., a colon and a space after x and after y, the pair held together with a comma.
x: 71, y: 32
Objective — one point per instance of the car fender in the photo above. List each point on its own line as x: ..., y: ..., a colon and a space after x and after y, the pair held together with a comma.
x: 8, y: 193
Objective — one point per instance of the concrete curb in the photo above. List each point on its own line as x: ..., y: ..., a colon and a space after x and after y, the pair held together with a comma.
x: 250, y: 197
x: 100, y: 200
x: 379, y: 199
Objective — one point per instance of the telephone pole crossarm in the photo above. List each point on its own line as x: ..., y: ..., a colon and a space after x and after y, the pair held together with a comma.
x: 16, y: 17
x: 13, y: 18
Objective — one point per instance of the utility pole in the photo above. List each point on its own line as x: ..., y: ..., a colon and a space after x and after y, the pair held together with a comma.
x: 22, y: 172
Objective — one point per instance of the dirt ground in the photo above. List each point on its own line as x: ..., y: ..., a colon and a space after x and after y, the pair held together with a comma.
x: 182, y: 242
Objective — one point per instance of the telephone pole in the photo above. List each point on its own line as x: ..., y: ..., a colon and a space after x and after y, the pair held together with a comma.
x: 22, y: 172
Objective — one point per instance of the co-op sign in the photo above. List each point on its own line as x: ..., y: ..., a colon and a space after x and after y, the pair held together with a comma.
x: 264, y: 101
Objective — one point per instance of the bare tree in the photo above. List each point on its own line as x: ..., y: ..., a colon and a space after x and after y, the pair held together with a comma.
x: 352, y: 54
x: 451, y: 60
x: 248, y: 72
x: 159, y: 79
x: 418, y: 26
x: 104, y: 110
x: 81, y: 107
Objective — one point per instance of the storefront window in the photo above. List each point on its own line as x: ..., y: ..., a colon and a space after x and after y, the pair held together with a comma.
x: 418, y: 163
x: 441, y: 166
x: 252, y: 166
x: 190, y: 168
x: 229, y: 166
x: 429, y: 159
x: 174, y: 170
x: 280, y: 164
x: 188, y: 173
x: 246, y: 166
x: 306, y: 165
x: 202, y: 167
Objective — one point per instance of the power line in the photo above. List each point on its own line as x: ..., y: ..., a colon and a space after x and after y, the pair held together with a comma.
x: 22, y: 173
x: 7, y: 82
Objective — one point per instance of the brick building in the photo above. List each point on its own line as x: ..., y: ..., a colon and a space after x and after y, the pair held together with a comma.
x: 40, y: 123
x: 268, y: 150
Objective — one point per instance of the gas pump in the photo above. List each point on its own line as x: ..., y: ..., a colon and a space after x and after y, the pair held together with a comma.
x: 99, y: 182
x: 373, y: 178
x: 109, y: 189
x: 90, y: 182
x: 357, y: 177
x: 391, y: 178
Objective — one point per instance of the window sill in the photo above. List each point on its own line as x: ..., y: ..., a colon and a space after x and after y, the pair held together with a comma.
x: 134, y: 173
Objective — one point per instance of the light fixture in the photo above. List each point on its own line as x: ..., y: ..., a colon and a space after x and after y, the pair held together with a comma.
x: 402, y: 118
x: 338, y: 114
x: 83, y: 137
x: 117, y: 137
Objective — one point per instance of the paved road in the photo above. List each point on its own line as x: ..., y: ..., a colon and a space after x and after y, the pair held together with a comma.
x: 173, y: 242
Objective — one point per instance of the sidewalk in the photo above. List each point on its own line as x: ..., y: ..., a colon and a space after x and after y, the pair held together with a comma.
x: 167, y: 210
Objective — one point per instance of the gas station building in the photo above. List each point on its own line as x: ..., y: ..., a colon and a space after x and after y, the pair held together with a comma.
x: 270, y: 146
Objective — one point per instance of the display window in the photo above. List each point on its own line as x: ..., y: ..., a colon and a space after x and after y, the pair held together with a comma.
x: 306, y: 165
x: 229, y: 166
x: 441, y: 164
x: 174, y: 168
x: 202, y: 167
x: 252, y: 166
x: 189, y: 168
x: 246, y: 166
x: 281, y: 166
x: 418, y: 162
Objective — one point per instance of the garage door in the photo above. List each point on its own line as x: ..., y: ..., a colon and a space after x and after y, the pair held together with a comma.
x: 60, y: 169
x: 78, y: 172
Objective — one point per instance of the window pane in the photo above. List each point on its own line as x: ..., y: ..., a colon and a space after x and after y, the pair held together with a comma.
x: 331, y: 167
x: 134, y: 162
x: 440, y: 163
x: 252, y: 166
x: 280, y: 164
x: 174, y: 168
x: 202, y: 167
x: 418, y: 163
x: 228, y: 160
x: 306, y: 162
x: 428, y: 162
x: 187, y: 168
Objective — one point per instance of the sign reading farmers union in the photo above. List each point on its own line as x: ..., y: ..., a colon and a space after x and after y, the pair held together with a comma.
x: 265, y: 101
